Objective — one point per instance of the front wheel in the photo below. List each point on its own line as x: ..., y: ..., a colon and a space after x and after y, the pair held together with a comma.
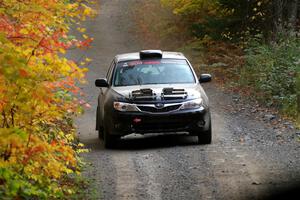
x: 100, y: 133
x: 205, y: 137
x: 108, y: 139
x: 99, y: 128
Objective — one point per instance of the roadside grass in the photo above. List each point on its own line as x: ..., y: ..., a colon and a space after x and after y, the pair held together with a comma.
x: 85, y: 187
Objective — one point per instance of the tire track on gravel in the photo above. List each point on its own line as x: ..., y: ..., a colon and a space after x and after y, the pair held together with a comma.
x: 126, y: 179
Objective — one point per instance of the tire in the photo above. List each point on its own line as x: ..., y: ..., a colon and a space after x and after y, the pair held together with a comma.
x: 109, y: 140
x: 100, y: 134
x: 97, y: 119
x: 205, y: 137
x: 98, y: 127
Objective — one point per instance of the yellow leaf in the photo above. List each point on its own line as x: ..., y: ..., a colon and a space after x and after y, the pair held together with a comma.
x: 85, y: 36
x: 24, y: 31
x: 63, y: 51
x: 88, y: 60
x: 82, y: 30
x: 70, y: 191
x: 80, y: 145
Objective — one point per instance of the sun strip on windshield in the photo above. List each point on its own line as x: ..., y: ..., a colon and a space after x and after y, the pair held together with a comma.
x: 151, y: 62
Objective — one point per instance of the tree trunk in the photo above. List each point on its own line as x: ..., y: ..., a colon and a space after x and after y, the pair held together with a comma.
x: 292, y: 13
x: 298, y: 97
x: 278, y: 16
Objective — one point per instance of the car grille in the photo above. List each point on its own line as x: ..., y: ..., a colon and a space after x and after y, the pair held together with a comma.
x: 163, y: 127
x: 152, y: 124
x: 153, y: 109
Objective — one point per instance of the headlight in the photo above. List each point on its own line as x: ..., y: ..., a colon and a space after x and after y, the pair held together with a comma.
x: 193, y: 104
x: 123, y: 107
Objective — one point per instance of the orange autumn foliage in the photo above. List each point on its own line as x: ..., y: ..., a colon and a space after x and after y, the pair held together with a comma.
x: 37, y: 96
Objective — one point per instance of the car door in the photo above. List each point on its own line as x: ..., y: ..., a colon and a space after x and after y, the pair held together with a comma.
x: 104, y: 91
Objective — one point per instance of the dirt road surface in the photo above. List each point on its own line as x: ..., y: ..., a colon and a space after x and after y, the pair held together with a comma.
x: 248, y: 159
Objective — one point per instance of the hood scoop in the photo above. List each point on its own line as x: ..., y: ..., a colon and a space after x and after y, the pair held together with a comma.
x: 143, y: 94
x: 148, y: 94
x: 173, y: 94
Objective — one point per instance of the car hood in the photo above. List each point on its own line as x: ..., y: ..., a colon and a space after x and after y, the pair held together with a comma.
x: 192, y: 91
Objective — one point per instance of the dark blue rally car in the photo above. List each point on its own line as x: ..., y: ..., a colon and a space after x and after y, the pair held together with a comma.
x: 152, y: 92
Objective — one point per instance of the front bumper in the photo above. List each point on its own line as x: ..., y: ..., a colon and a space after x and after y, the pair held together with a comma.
x: 193, y: 121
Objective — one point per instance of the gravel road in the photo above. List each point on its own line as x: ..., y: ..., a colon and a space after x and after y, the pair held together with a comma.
x: 248, y: 158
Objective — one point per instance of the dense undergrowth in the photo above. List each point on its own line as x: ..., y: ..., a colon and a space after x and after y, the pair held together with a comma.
x: 39, y: 154
x: 262, y: 71
x: 271, y: 71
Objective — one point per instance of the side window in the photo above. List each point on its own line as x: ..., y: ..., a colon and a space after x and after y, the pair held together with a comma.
x: 109, y: 73
x: 109, y: 69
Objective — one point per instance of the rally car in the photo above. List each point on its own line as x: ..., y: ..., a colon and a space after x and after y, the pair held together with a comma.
x: 152, y: 91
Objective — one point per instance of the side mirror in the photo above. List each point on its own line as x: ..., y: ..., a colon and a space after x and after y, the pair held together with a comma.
x: 205, y: 78
x: 101, y: 82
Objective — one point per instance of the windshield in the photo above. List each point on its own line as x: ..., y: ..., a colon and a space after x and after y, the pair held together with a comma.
x: 162, y: 71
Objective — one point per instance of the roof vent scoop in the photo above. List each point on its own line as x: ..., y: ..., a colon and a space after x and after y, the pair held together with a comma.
x: 150, y: 54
